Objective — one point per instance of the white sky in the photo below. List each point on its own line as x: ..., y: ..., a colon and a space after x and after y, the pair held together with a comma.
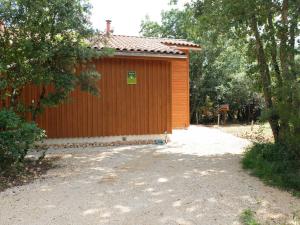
x: 126, y: 15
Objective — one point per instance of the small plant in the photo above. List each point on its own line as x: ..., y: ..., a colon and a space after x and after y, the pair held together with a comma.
x: 16, y: 137
x: 296, y: 217
x: 247, y: 218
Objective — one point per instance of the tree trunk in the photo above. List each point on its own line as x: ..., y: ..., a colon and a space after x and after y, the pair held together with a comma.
x: 274, y: 49
x: 37, y: 109
x: 284, y: 39
x: 15, y: 93
x: 285, y: 53
x: 193, y: 112
x: 3, y: 99
x: 265, y: 78
x: 292, y: 41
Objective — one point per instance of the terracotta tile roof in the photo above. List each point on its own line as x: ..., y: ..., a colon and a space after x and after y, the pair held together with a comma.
x: 180, y: 42
x: 145, y: 44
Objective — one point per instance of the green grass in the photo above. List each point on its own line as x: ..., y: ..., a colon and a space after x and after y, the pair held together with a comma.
x: 275, y: 165
x: 247, y: 218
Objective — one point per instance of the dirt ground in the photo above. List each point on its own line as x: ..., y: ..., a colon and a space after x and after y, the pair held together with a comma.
x: 257, y: 132
x: 195, y: 179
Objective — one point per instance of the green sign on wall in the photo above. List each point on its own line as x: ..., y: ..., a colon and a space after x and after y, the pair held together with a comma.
x: 131, y: 77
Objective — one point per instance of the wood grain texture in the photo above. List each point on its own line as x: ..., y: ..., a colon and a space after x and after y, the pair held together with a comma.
x: 180, y: 94
x: 159, y: 101
x: 121, y: 109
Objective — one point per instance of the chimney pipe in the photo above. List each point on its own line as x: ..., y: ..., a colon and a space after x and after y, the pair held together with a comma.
x: 108, y: 29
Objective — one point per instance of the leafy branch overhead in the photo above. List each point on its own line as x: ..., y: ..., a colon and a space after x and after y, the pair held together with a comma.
x: 270, y: 29
x: 42, y: 44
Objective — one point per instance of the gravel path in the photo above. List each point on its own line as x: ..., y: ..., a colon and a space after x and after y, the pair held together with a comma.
x: 196, y: 179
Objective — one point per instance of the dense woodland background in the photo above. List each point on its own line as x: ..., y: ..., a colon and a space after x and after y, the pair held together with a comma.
x: 250, y: 59
x: 219, y: 74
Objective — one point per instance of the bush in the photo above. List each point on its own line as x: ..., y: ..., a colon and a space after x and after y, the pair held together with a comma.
x: 248, y: 218
x: 275, y: 165
x: 16, y: 137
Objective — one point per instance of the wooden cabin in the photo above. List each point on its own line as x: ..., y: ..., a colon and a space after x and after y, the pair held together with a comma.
x: 144, y: 89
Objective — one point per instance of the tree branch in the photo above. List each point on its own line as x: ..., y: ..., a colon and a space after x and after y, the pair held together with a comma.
x: 265, y: 77
x: 284, y: 38
x: 274, y: 49
x: 292, y: 42
x: 38, y: 105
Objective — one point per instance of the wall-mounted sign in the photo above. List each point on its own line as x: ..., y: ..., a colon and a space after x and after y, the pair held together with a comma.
x: 131, y: 77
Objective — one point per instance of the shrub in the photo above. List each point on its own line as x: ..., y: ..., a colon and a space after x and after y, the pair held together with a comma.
x: 16, y: 137
x: 248, y: 218
x: 274, y: 164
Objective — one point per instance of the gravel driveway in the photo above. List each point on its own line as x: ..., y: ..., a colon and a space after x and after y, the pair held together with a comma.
x: 196, y: 179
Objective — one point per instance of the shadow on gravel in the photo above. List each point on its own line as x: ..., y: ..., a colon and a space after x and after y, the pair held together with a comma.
x: 30, y: 171
x: 169, y: 184
x: 166, y: 185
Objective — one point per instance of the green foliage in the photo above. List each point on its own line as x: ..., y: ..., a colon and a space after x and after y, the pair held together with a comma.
x: 274, y: 165
x: 43, y: 43
x: 207, y: 111
x: 249, y: 49
x: 150, y: 28
x: 88, y: 82
x: 16, y: 138
x: 269, y: 30
x: 223, y: 76
x: 175, y: 23
x: 248, y: 218
x: 218, y: 73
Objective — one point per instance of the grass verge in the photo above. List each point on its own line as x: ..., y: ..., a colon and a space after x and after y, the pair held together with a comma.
x: 274, y: 165
x: 248, y: 217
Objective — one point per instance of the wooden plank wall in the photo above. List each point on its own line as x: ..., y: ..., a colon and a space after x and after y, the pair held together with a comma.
x: 180, y: 94
x: 121, y: 109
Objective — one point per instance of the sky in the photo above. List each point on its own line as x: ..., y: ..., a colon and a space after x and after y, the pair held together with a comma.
x: 126, y: 15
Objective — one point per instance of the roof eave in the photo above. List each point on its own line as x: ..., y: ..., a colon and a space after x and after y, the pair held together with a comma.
x: 191, y: 48
x: 185, y: 47
x: 147, y: 54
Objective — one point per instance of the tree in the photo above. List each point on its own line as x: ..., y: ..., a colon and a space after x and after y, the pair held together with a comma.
x: 218, y: 74
x: 42, y: 43
x: 270, y: 29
